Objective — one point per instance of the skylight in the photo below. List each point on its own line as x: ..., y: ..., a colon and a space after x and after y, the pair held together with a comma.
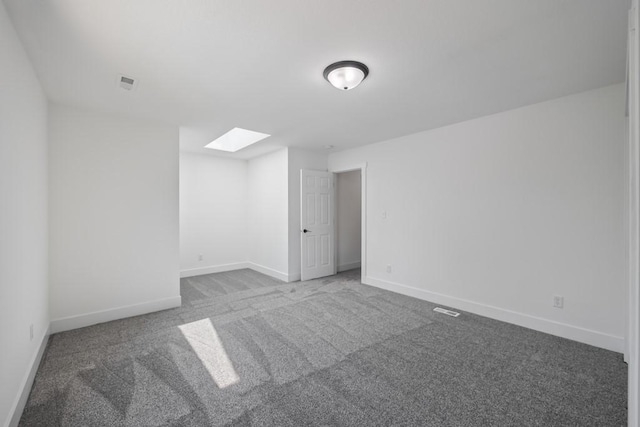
x: 236, y: 139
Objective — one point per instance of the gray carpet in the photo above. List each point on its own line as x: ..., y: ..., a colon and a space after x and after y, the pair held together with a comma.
x: 248, y: 350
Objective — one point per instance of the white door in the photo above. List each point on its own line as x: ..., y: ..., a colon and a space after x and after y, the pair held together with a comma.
x: 317, y: 224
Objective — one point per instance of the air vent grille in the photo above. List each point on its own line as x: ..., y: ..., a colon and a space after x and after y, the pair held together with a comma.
x: 126, y: 83
x: 447, y: 312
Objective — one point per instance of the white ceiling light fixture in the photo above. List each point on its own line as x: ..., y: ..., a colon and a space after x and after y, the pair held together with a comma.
x: 346, y: 75
x: 236, y: 139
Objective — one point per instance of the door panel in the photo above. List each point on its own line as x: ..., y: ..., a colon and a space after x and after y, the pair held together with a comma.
x: 311, y: 252
x: 325, y: 249
x: 311, y: 209
x: 324, y: 209
x: 317, y: 218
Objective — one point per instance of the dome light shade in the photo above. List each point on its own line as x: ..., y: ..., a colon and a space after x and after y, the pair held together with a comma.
x: 345, y: 75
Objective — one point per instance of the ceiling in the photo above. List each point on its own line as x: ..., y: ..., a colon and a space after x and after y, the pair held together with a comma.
x: 212, y: 65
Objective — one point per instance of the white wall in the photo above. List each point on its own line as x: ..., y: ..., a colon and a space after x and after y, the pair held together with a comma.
x: 348, y: 219
x: 299, y: 159
x: 498, y: 214
x: 113, y: 217
x: 23, y: 220
x: 268, y: 215
x: 243, y: 213
x: 213, y: 213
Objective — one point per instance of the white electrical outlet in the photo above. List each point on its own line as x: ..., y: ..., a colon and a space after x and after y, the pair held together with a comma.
x: 389, y: 268
x: 558, y: 301
x: 31, y: 332
x: 200, y: 257
x: 384, y: 214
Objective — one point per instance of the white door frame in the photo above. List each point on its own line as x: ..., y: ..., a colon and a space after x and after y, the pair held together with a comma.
x: 632, y: 350
x: 362, y: 167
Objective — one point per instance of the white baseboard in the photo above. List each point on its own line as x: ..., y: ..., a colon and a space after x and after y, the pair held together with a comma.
x: 239, y: 266
x: 21, y: 399
x: 88, y: 319
x: 213, y: 269
x: 348, y: 266
x: 575, y: 333
x: 270, y: 272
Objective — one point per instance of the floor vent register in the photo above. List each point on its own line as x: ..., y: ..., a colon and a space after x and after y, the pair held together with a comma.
x: 447, y: 312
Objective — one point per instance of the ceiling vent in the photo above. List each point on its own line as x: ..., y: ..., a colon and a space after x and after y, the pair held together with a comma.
x: 127, y: 83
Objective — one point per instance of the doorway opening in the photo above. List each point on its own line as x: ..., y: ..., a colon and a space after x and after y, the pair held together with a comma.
x: 346, y: 257
x: 333, y: 226
x: 348, y: 216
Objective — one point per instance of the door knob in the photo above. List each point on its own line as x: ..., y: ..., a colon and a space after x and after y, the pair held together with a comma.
x: 305, y: 230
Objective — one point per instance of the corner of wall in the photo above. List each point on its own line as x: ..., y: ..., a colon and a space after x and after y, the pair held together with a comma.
x: 23, y: 394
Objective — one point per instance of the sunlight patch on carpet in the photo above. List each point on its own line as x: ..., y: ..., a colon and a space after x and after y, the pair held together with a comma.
x: 204, y: 339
